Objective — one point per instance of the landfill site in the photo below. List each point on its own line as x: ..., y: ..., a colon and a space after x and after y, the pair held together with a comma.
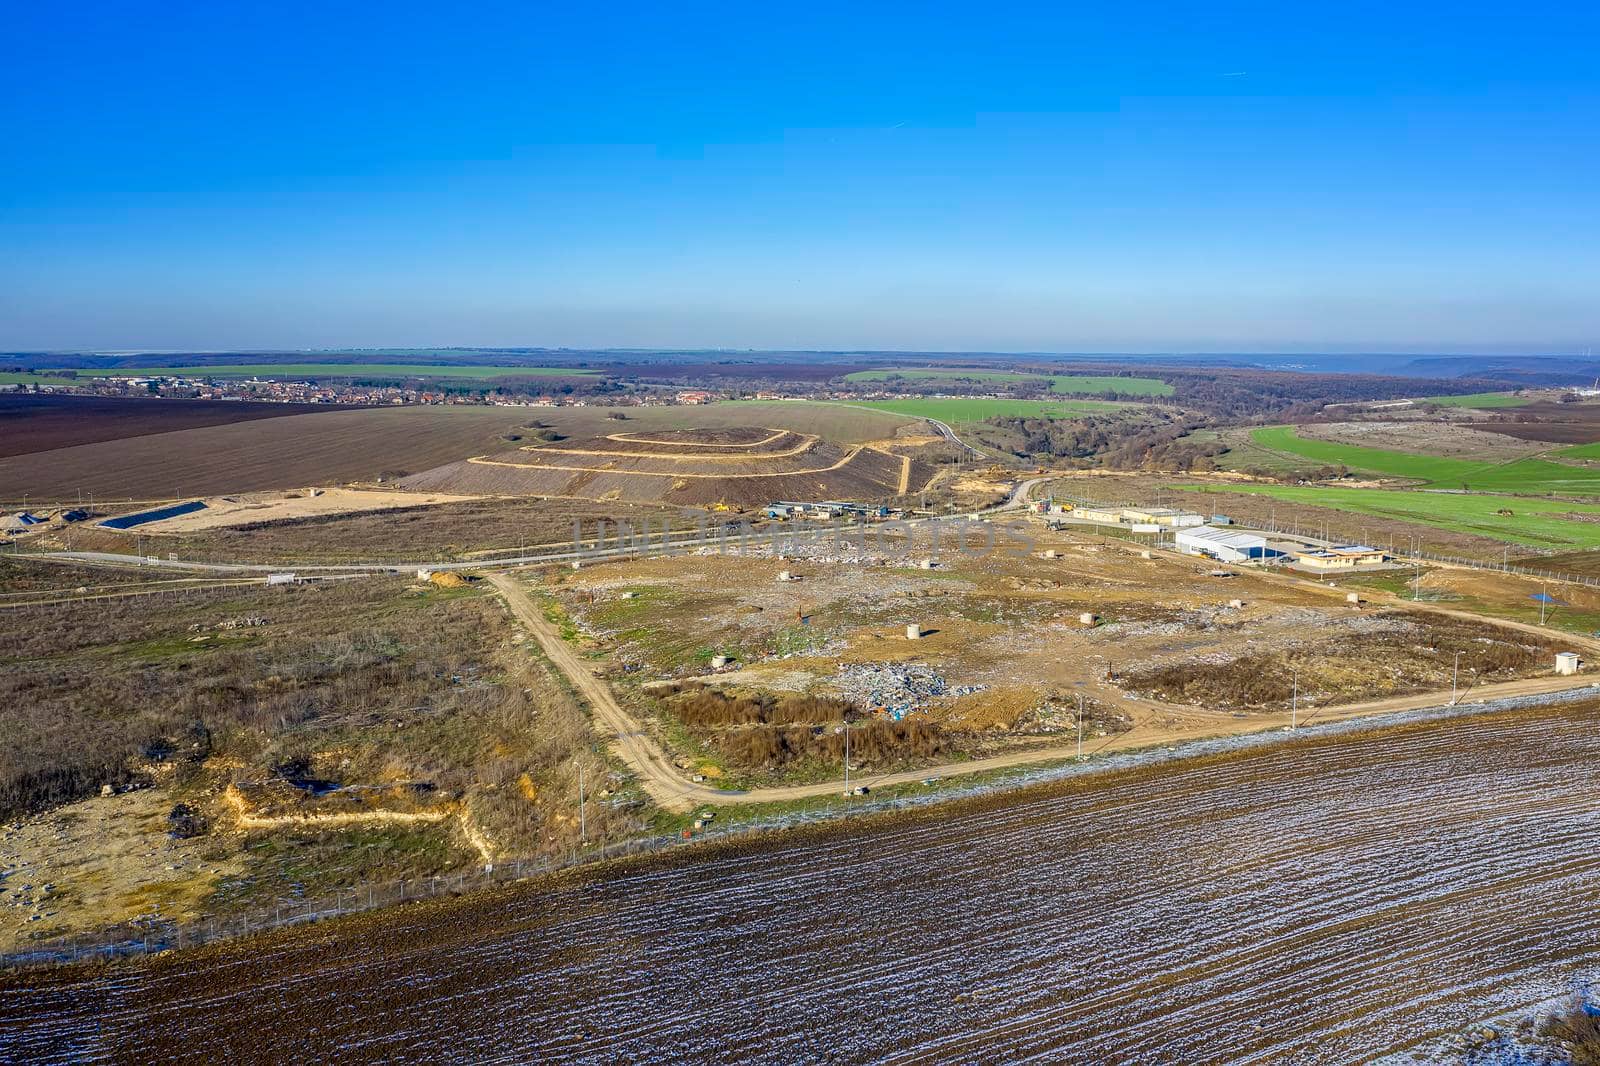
x: 743, y: 666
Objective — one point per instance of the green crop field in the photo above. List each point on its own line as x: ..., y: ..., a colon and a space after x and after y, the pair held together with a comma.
x: 957, y: 411
x: 1084, y: 384
x: 1581, y: 451
x: 1064, y: 384
x: 23, y: 378
x: 1522, y: 476
x: 1480, y: 400
x: 1534, y: 523
x: 339, y: 370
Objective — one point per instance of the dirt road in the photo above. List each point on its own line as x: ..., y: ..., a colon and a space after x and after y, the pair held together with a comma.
x: 657, y: 774
x: 1333, y: 899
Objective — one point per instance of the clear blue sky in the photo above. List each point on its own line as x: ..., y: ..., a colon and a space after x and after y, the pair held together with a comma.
x: 1110, y: 177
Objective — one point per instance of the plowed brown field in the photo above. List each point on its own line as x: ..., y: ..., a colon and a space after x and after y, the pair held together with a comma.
x: 1332, y: 899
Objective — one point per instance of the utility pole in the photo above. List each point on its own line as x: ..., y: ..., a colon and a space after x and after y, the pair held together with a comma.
x: 1455, y: 673
x: 583, y: 823
x: 1080, y: 725
x: 1294, y: 702
x: 1544, y: 598
x: 846, y: 728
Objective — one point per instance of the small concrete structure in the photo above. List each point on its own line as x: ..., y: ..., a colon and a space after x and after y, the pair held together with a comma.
x: 630, y: 595
x: 784, y: 575
x: 281, y: 579
x: 1237, y: 605
x: 926, y: 564
x: 1146, y: 554
x: 1352, y: 597
x: 1050, y: 553
x: 424, y: 575
x: 576, y: 565
x: 1567, y: 663
x: 913, y: 632
x: 1088, y: 618
x: 718, y: 662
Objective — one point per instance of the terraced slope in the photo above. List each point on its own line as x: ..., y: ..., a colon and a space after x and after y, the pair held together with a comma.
x: 1334, y: 899
x: 745, y: 466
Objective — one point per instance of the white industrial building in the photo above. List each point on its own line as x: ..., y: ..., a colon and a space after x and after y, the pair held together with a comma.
x: 1161, y: 516
x: 1225, y: 545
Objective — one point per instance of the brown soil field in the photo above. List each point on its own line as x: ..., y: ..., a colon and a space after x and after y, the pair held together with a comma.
x: 1345, y: 897
x: 1554, y: 423
x: 43, y: 423
x: 743, y: 466
x: 1450, y: 439
x: 325, y: 448
x: 832, y: 422
x: 343, y: 445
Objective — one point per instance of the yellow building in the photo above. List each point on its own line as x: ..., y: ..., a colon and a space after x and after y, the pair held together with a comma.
x: 1341, y: 557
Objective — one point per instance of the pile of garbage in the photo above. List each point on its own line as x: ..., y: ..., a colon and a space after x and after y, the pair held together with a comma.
x: 250, y: 621
x: 898, y: 689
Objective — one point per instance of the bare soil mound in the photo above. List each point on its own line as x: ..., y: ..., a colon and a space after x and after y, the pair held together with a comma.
x: 743, y: 466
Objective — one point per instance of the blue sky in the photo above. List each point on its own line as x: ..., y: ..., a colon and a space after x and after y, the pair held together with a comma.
x: 1131, y: 177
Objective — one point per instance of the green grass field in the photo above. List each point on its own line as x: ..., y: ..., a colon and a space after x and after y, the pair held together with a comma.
x: 958, y: 411
x: 9, y: 378
x: 1581, y: 451
x: 1479, y: 400
x: 1537, y: 476
x: 1534, y: 523
x: 1063, y: 384
x: 342, y: 370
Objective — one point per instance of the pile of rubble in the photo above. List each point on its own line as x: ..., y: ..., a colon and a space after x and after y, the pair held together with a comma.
x: 898, y: 689
x: 247, y: 622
